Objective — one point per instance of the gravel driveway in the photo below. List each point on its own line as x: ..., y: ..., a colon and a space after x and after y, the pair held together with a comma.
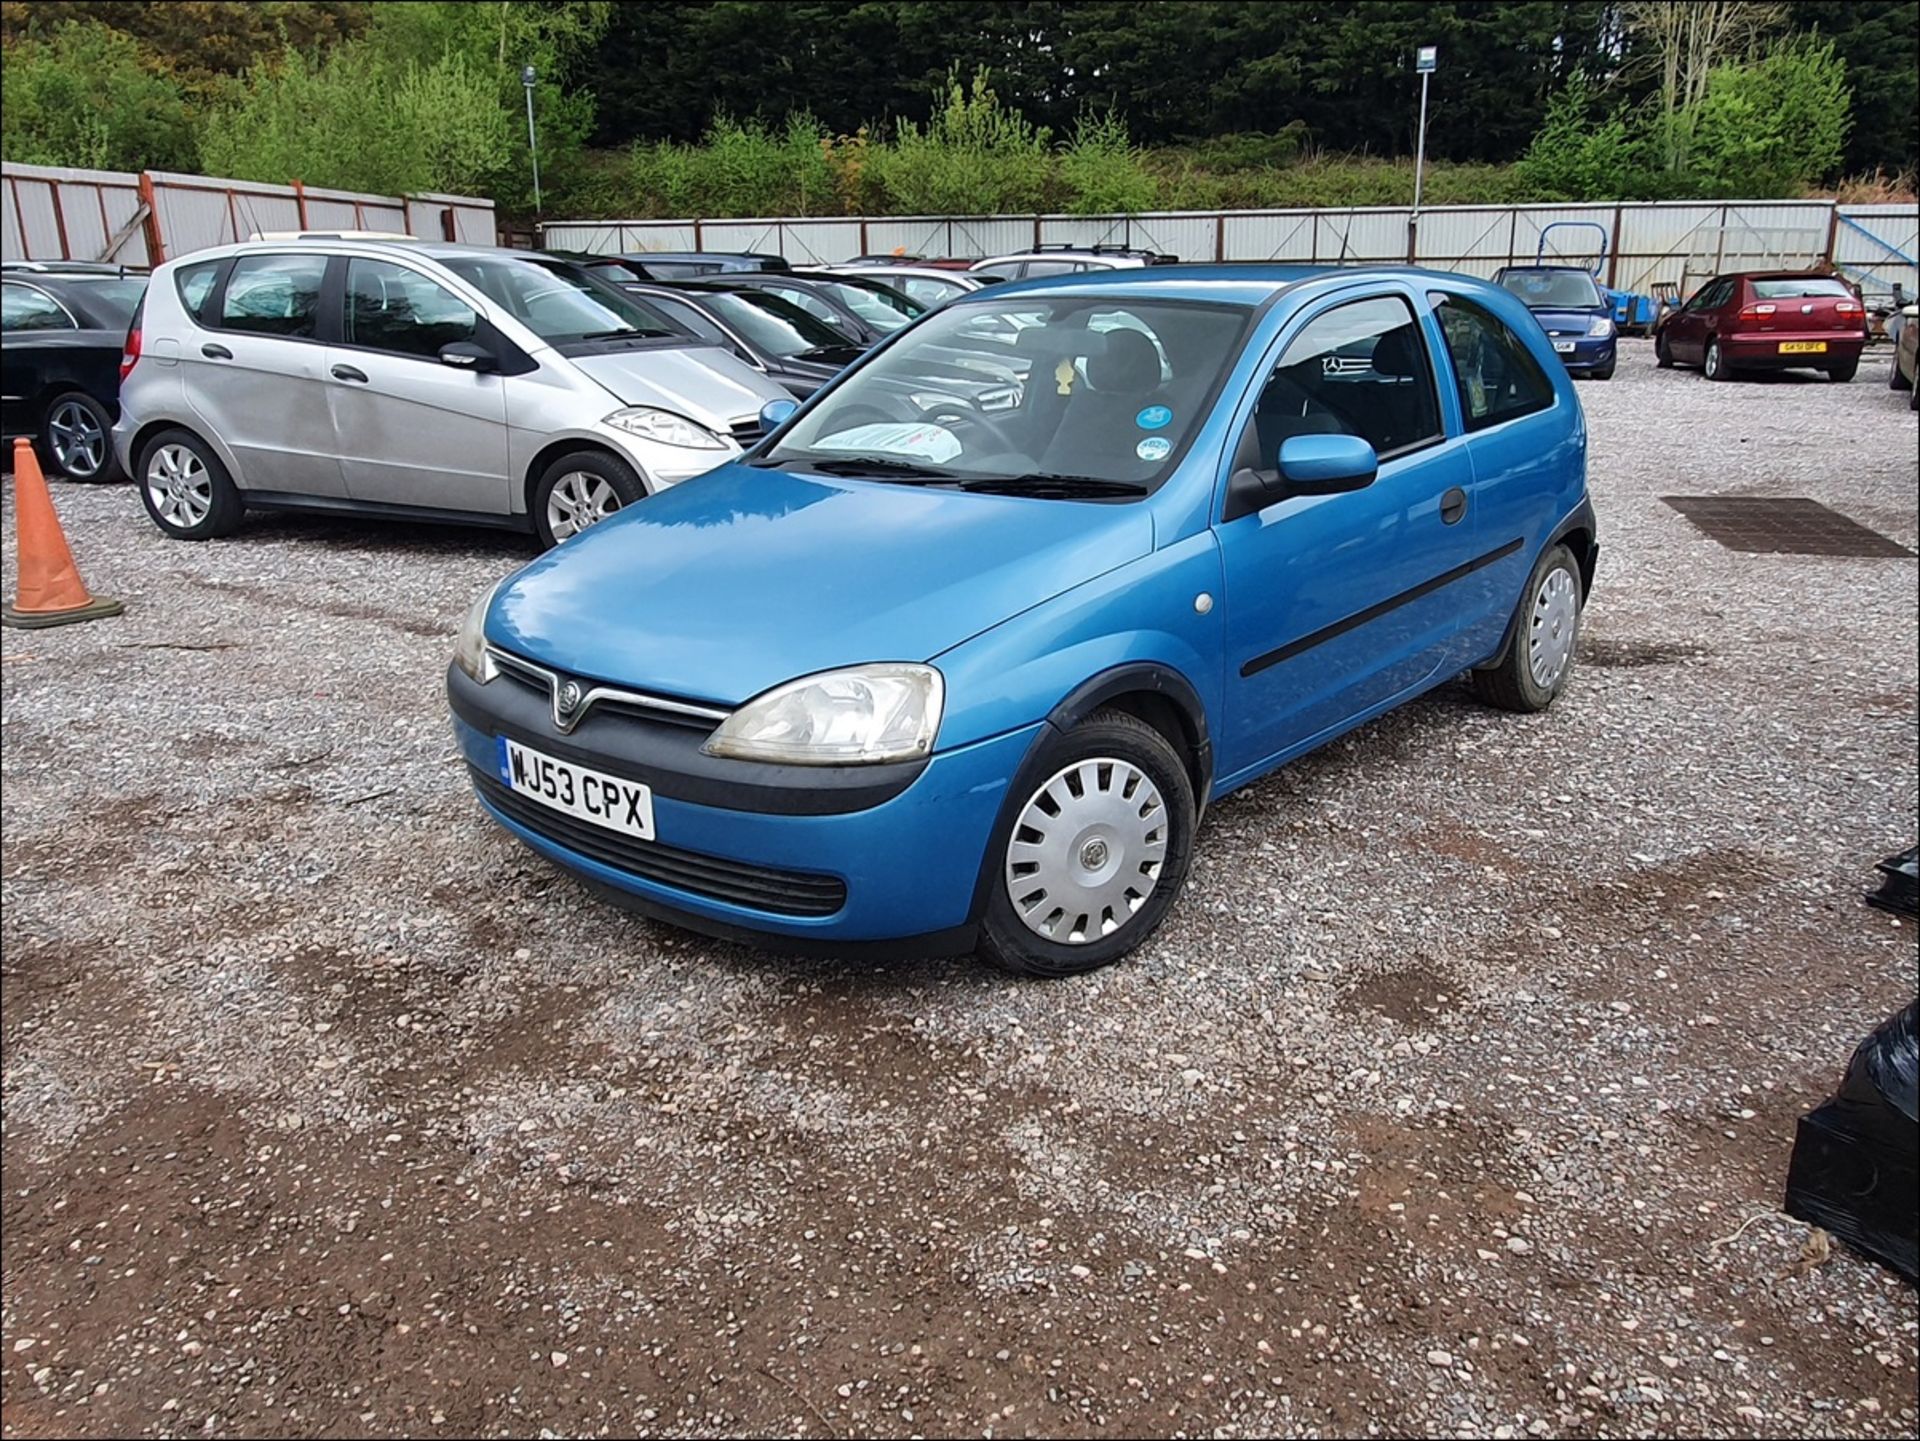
x: 1456, y: 1095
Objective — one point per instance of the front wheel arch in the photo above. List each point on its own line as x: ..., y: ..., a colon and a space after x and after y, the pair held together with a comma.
x: 571, y: 445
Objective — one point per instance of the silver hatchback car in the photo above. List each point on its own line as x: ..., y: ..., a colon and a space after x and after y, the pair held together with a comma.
x: 415, y: 381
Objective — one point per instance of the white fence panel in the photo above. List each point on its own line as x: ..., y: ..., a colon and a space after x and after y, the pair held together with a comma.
x: 1879, y: 246
x: 34, y: 214
x: 758, y: 235
x: 1083, y: 230
x: 1287, y: 236
x: 638, y: 235
x: 911, y: 237
x: 1191, y: 237
x: 984, y: 235
x: 819, y: 242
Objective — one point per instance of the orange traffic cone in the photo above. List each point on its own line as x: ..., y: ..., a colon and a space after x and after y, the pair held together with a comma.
x: 51, y: 592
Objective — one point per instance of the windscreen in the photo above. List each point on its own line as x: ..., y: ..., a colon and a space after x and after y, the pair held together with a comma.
x: 775, y: 326
x: 1554, y: 289
x: 562, y: 305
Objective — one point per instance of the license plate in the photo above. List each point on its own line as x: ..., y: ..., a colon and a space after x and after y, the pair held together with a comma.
x: 1803, y: 347
x: 1565, y: 347
x: 589, y: 795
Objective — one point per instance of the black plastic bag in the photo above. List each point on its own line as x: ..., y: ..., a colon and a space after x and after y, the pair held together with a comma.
x: 1856, y: 1160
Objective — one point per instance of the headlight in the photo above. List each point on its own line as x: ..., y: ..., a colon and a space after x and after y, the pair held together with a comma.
x: 859, y: 716
x: 1601, y: 326
x: 665, y: 428
x: 470, y: 646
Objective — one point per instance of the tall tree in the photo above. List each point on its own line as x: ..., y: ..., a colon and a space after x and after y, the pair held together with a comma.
x: 1880, y: 42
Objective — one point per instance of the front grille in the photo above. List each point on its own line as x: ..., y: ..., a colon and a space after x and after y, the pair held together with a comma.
x: 760, y: 888
x: 747, y: 433
x: 666, y: 709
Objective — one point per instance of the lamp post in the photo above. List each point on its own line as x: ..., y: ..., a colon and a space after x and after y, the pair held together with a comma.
x: 527, y: 78
x: 1425, y: 59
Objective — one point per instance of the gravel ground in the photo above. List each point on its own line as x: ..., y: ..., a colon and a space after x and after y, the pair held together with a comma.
x: 1455, y: 1097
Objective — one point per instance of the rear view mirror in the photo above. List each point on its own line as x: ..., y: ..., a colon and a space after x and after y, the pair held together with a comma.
x: 775, y: 413
x: 467, y: 355
x: 1326, y: 464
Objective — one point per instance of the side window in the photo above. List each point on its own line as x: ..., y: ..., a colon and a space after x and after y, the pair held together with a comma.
x: 1051, y: 267
x: 390, y: 307
x: 274, y: 294
x: 26, y: 308
x: 1008, y: 270
x: 814, y: 306
x: 927, y: 292
x: 1358, y: 369
x: 1497, y: 376
x: 195, y: 284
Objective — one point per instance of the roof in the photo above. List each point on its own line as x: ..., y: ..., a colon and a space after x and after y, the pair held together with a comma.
x: 1244, y: 284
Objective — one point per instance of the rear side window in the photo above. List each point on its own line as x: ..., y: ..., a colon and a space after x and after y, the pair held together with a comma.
x: 1051, y: 267
x: 1358, y: 369
x: 195, y: 284
x: 392, y: 308
x: 1497, y: 376
x: 1801, y: 287
x: 26, y: 308
x: 274, y: 294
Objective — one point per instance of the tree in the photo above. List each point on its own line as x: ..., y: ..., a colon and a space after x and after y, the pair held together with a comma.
x: 81, y: 96
x: 1770, y: 127
x: 1684, y: 43
x: 1879, y: 41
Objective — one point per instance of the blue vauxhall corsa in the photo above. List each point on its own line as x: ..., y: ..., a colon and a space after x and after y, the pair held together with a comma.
x: 920, y: 675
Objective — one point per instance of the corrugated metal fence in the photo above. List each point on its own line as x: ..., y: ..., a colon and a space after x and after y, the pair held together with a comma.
x: 48, y: 213
x: 1644, y: 244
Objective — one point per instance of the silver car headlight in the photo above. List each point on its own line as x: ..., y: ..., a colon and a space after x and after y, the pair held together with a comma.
x: 470, y: 645
x: 863, y: 715
x: 664, y: 428
x: 1601, y: 326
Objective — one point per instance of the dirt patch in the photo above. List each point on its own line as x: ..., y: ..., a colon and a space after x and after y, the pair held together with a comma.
x: 344, y: 610
x: 1418, y: 996
x: 1605, y: 653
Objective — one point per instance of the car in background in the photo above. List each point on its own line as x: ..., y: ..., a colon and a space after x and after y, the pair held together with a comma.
x: 614, y: 268
x: 63, y: 326
x: 417, y: 381
x: 925, y: 262
x: 687, y: 264
x: 1045, y: 260
x: 1568, y: 304
x: 932, y: 686
x: 777, y: 338
x: 1906, y: 357
x: 926, y: 285
x: 861, y: 308
x: 1769, y: 320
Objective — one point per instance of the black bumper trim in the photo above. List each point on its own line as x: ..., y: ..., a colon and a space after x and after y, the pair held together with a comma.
x: 666, y: 755
x: 714, y: 878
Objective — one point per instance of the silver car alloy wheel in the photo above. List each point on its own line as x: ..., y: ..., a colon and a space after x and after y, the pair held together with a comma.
x: 79, y: 444
x: 1552, y: 627
x: 579, y: 499
x: 180, y: 486
x: 1087, y: 850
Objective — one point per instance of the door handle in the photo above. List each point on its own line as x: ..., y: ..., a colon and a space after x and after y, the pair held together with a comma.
x: 1453, y: 505
x: 216, y: 352
x: 347, y: 372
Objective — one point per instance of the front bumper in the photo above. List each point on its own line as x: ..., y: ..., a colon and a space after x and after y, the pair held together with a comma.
x: 1588, y: 353
x: 743, y: 860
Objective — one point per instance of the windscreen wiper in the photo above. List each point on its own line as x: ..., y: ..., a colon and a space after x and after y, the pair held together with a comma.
x: 879, y: 467
x: 625, y: 333
x: 1054, y: 487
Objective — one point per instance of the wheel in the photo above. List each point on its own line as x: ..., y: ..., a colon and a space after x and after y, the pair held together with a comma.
x: 1604, y: 372
x: 1913, y: 397
x: 74, y: 438
x: 1715, y: 366
x: 186, y: 489
x: 1095, y: 855
x: 1539, y: 660
x: 1844, y: 370
x: 1662, y: 351
x: 580, y: 489
x: 1895, y: 380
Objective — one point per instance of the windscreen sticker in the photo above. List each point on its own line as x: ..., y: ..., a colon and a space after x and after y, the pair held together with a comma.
x: 1154, y: 417
x: 1154, y: 447
x: 915, y: 438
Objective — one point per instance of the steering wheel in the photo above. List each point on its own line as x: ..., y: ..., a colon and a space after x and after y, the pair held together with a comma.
x: 962, y: 415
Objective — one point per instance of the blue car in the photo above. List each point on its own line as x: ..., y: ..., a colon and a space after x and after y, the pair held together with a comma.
x: 1572, y: 309
x: 931, y: 682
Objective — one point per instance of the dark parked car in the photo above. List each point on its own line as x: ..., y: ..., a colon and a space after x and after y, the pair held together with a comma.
x: 862, y: 309
x: 795, y: 349
x: 1568, y: 304
x: 1778, y: 320
x: 64, y: 331
x: 615, y: 269
x: 688, y: 264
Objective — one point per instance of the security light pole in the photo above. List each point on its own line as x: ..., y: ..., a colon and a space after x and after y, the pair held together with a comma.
x: 1424, y: 60
x: 527, y: 77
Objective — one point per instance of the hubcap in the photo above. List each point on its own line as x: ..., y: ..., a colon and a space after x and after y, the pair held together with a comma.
x: 1087, y: 851
x: 79, y: 444
x: 1555, y: 624
x: 181, y: 489
x: 579, y: 499
x: 1713, y: 359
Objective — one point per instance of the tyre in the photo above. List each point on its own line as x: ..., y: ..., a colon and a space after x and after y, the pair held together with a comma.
x: 1715, y: 366
x: 1662, y: 351
x: 1913, y: 397
x: 580, y: 489
x: 1895, y: 380
x: 1844, y: 370
x: 1539, y: 659
x: 76, y: 438
x: 1093, y: 858
x: 186, y: 489
x: 1604, y: 372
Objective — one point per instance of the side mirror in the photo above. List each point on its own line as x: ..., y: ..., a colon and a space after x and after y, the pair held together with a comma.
x: 1326, y: 464
x: 468, y: 355
x: 776, y: 413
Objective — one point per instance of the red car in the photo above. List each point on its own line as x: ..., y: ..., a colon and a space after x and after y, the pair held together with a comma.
x: 1781, y: 320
